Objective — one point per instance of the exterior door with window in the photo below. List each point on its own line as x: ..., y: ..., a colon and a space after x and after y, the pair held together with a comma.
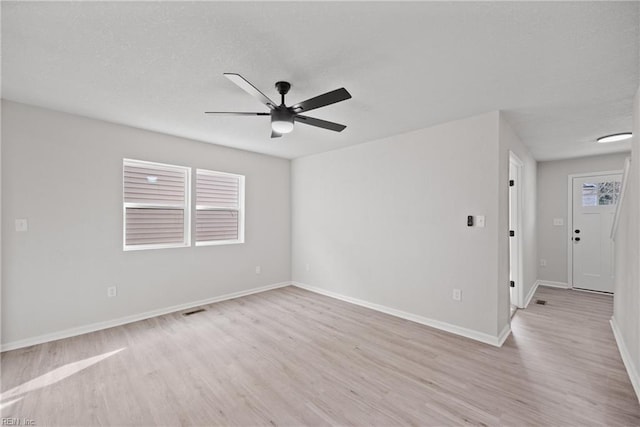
x: 594, y: 205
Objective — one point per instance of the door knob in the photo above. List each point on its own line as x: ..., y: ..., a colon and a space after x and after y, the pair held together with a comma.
x: 576, y: 231
x: 577, y: 239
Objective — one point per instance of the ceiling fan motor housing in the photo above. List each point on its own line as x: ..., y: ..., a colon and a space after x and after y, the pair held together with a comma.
x: 282, y: 115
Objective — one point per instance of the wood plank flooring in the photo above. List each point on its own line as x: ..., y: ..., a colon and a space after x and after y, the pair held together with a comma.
x: 291, y: 357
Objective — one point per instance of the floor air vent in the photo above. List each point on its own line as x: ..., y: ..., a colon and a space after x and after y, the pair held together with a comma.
x: 541, y: 301
x: 189, y: 313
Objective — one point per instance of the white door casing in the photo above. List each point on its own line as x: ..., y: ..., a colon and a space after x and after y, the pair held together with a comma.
x: 515, y: 222
x: 592, y: 210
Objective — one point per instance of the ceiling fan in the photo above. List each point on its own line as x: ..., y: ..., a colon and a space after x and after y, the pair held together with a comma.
x: 283, y: 117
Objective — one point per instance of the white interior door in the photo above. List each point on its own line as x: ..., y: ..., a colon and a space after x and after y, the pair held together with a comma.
x: 594, y: 205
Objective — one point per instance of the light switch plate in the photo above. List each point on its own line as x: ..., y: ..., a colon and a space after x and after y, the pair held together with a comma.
x: 558, y: 221
x: 22, y: 224
x: 479, y: 220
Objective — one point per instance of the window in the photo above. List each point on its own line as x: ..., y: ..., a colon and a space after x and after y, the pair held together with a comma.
x: 600, y: 193
x: 219, y: 208
x: 156, y: 205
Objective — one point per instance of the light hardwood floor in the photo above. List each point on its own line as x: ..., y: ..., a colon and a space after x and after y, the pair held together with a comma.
x: 291, y: 357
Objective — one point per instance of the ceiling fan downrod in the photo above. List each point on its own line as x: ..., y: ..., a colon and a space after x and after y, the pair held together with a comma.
x: 283, y: 89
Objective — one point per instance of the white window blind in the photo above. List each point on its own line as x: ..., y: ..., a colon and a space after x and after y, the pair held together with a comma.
x: 219, y: 208
x: 156, y: 205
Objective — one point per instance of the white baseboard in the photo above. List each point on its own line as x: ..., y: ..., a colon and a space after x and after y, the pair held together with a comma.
x: 504, y: 334
x: 531, y: 293
x: 496, y: 341
x: 72, y: 332
x: 551, y: 284
x: 626, y: 358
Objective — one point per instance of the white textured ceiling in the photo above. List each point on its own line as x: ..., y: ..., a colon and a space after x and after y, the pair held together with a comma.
x: 564, y: 73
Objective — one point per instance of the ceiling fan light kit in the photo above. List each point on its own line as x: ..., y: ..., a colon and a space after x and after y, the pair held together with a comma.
x: 283, y: 117
x: 281, y: 121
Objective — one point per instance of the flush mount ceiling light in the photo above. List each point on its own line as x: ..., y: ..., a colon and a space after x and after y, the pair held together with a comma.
x: 614, y: 138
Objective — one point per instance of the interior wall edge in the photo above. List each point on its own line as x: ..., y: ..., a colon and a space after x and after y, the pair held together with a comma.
x: 532, y: 291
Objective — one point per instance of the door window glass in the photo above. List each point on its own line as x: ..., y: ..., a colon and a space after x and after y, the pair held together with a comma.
x: 600, y: 193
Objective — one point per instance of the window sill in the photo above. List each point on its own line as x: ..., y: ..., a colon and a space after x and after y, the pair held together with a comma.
x: 219, y: 242
x: 148, y: 247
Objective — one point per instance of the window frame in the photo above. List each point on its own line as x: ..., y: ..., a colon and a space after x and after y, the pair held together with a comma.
x: 240, y: 208
x: 186, y: 207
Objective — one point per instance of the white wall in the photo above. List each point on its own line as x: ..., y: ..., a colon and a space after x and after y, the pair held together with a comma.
x: 509, y: 141
x: 385, y: 222
x: 64, y: 174
x: 1, y: 271
x: 626, y: 307
x: 552, y: 203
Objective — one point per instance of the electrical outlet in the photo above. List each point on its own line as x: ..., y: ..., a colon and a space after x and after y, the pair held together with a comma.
x: 112, y: 291
x: 543, y: 263
x: 258, y: 269
x: 457, y: 295
x: 22, y: 225
x: 558, y: 221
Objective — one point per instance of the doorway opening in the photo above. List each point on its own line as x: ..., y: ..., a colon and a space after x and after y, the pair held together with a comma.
x: 515, y: 232
x: 593, y: 198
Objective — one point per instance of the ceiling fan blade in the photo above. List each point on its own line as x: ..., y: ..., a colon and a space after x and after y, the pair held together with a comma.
x: 322, y: 100
x: 233, y: 113
x: 275, y: 134
x: 320, y: 123
x: 250, y: 89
